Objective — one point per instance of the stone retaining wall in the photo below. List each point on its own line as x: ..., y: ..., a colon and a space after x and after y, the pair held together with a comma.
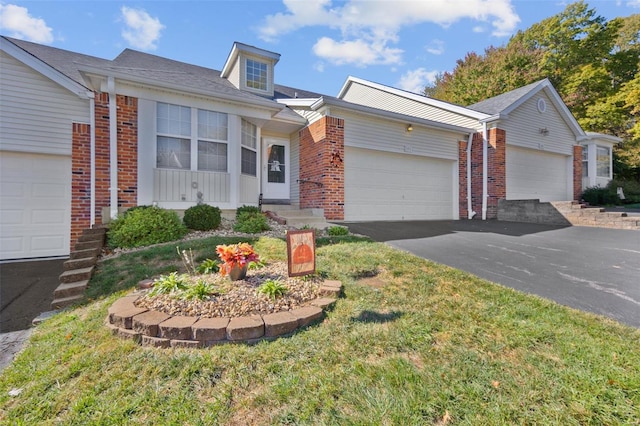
x: 157, y: 329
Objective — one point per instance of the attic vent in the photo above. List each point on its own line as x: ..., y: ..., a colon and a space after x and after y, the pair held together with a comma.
x: 542, y: 105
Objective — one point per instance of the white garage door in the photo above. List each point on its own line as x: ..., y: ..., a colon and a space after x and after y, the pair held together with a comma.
x: 535, y: 174
x: 35, y: 205
x: 387, y: 186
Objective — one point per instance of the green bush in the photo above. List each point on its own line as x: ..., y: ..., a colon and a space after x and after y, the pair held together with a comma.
x: 146, y: 226
x: 202, y: 217
x: 599, y: 196
x: 631, y: 189
x: 247, y: 209
x: 336, y: 231
x: 251, y: 223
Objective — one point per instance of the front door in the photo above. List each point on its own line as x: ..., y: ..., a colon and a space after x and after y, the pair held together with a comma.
x: 275, y: 169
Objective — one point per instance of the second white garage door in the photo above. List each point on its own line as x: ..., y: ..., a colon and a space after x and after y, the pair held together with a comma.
x: 537, y: 175
x: 35, y: 205
x: 388, y: 186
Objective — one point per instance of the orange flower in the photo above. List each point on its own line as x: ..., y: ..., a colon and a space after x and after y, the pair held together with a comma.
x: 235, y: 255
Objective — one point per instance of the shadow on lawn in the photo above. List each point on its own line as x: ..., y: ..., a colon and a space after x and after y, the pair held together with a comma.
x: 377, y: 317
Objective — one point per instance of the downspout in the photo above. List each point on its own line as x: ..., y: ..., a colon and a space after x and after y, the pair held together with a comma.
x: 484, y: 171
x: 92, y: 150
x: 113, y: 148
x: 470, y: 212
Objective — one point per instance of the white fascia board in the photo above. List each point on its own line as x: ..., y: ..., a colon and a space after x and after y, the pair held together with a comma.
x: 414, y: 97
x: 601, y: 136
x: 145, y: 81
x: 374, y: 112
x: 45, y: 69
x: 297, y: 102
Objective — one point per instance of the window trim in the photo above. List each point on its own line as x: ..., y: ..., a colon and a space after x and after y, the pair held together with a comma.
x: 598, y: 161
x: 267, y: 65
x: 244, y: 146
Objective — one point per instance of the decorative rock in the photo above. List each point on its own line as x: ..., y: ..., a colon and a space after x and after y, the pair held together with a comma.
x: 279, y: 323
x: 323, y: 302
x: 128, y: 334
x: 185, y: 344
x: 178, y: 328
x: 123, y: 318
x: 307, y: 315
x: 245, y: 328
x: 329, y: 291
x: 145, y: 284
x: 147, y: 322
x: 332, y: 283
x: 209, y: 329
x: 122, y: 304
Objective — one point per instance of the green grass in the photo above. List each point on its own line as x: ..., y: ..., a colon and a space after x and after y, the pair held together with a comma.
x: 412, y: 343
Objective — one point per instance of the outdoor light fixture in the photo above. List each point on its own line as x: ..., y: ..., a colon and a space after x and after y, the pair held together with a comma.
x: 544, y: 131
x: 409, y: 127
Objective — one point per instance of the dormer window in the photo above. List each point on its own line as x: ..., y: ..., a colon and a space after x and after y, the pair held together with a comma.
x: 256, y: 75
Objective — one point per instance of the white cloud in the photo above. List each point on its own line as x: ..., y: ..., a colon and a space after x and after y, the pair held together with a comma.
x: 17, y: 20
x: 142, y: 31
x: 369, y: 28
x: 357, y: 52
x: 478, y: 29
x: 634, y: 3
x: 416, y: 80
x: 436, y: 47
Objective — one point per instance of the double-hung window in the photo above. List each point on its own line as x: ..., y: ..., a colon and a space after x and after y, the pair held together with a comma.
x: 256, y: 72
x: 183, y: 131
x: 585, y: 161
x: 249, y: 161
x: 603, y: 161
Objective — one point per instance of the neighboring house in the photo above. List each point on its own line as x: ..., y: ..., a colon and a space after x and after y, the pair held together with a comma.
x: 83, y: 138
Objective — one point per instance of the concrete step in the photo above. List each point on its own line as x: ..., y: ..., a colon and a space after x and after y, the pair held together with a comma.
x: 70, y: 289
x: 66, y: 301
x: 300, y: 213
x: 85, y: 262
x: 76, y: 275
x: 82, y: 254
x: 311, y: 222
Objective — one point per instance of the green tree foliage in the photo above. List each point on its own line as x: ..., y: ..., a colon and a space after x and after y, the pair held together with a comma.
x: 592, y: 62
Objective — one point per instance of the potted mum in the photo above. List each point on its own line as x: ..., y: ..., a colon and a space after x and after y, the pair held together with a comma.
x: 236, y: 258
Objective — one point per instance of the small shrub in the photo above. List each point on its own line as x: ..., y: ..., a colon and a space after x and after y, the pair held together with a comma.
x: 273, y: 289
x: 208, y: 266
x: 145, y: 226
x: 134, y: 208
x: 599, y: 196
x: 200, y: 291
x: 251, y: 223
x: 630, y: 188
x: 336, y: 231
x: 247, y: 209
x: 167, y: 284
x: 202, y: 217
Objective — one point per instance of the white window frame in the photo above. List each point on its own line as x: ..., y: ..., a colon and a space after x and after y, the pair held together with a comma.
x: 585, y: 161
x: 251, y: 83
x: 249, y: 143
x: 600, y: 163
x: 193, y: 136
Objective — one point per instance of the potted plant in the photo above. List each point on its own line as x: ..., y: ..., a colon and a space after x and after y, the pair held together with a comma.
x: 236, y: 258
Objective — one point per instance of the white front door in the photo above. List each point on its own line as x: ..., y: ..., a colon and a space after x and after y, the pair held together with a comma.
x: 275, y: 169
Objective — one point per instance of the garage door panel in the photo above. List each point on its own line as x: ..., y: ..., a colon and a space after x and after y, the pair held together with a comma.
x: 536, y: 175
x: 388, y: 186
x: 35, y: 205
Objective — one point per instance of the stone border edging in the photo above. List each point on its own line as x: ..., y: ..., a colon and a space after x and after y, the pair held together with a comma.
x: 160, y: 330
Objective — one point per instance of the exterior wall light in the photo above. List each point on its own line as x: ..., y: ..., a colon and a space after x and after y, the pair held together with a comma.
x: 409, y: 127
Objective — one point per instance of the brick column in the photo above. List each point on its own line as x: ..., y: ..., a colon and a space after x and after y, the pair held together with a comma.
x: 462, y: 179
x: 577, y: 172
x: 102, y: 182
x: 322, y: 167
x: 476, y: 174
x: 496, y: 170
x: 80, y: 180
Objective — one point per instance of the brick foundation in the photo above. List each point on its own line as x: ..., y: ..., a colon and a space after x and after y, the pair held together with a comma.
x: 322, y: 167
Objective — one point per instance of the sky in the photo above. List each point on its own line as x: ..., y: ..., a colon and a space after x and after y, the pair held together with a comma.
x: 401, y: 43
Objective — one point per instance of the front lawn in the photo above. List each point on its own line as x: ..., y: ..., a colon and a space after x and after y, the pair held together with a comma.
x: 411, y: 342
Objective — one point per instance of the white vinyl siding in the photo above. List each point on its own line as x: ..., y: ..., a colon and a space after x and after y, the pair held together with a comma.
x: 35, y: 205
x: 178, y: 185
x: 388, y: 186
x: 524, y: 125
x: 36, y: 113
x: 537, y: 175
x: 375, y: 98
x: 385, y: 135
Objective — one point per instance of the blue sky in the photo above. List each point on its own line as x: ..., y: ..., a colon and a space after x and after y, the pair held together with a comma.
x: 399, y: 43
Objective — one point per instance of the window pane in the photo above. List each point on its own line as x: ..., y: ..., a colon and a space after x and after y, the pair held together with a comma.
x: 173, y: 153
x: 249, y: 164
x: 603, y: 156
x: 212, y: 125
x: 275, y: 165
x: 212, y: 156
x: 256, y: 74
x: 248, y: 134
x: 173, y: 119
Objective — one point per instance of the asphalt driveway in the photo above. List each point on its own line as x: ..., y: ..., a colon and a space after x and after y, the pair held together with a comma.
x: 592, y: 269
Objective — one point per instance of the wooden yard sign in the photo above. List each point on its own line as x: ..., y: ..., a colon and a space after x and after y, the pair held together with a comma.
x: 301, y: 252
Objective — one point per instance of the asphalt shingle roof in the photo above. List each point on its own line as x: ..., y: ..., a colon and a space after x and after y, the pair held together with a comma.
x: 499, y: 103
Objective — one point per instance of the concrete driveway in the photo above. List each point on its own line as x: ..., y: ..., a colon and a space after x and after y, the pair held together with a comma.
x: 592, y: 269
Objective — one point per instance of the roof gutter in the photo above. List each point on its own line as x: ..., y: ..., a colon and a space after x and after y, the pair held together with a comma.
x: 113, y: 148
x: 484, y: 171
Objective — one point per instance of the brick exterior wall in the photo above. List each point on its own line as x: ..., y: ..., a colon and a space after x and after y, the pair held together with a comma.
x: 80, y: 180
x: 127, y: 118
x: 577, y: 172
x: 102, y: 182
x: 496, y: 172
x: 322, y: 162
